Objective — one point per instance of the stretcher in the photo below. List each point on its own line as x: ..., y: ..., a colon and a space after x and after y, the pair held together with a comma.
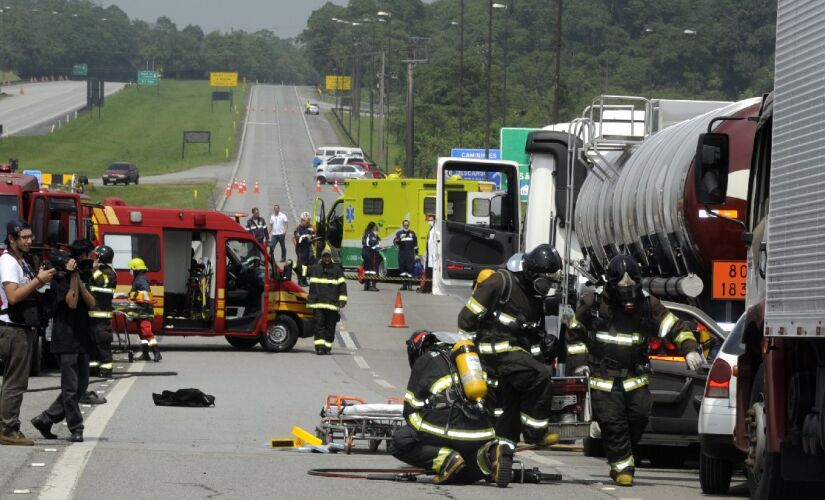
x: 349, y: 419
x: 123, y: 313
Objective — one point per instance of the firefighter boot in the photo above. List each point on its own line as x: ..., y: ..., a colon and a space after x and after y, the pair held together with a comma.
x: 156, y: 353
x: 549, y: 439
x: 622, y: 478
x: 144, y: 352
x: 452, y: 465
x: 502, y: 464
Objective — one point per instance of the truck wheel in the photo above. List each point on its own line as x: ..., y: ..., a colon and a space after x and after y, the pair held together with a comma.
x: 36, y: 365
x: 241, y: 342
x: 281, y: 335
x: 593, y: 447
x: 105, y: 182
x: 714, y: 475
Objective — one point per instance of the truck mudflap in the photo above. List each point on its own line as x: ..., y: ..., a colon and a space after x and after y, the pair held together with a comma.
x: 570, y: 408
x: 307, y: 327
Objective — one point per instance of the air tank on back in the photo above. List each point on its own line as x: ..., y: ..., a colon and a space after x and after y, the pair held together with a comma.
x: 649, y: 210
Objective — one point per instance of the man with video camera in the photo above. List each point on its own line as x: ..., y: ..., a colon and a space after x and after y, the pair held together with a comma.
x: 71, y: 342
x: 19, y: 316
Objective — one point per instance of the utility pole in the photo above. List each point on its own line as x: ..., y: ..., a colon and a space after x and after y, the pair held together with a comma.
x: 381, y: 143
x: 416, y: 45
x: 489, y: 77
x: 461, y: 75
x: 556, y: 99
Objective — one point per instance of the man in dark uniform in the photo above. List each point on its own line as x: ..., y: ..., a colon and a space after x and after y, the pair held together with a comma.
x: 303, y: 237
x: 102, y: 284
x: 445, y: 433
x: 327, y: 296
x: 407, y: 243
x: 608, y: 339
x: 257, y: 226
x: 506, y: 314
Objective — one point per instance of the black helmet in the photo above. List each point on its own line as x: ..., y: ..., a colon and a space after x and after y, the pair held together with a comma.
x: 105, y: 254
x: 624, y: 279
x: 541, y: 266
x: 418, y: 343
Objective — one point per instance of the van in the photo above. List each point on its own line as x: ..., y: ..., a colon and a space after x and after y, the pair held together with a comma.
x: 326, y: 152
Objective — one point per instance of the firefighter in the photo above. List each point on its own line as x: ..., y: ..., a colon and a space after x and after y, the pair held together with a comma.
x: 607, y: 339
x: 506, y: 314
x: 257, y: 226
x: 444, y: 432
x: 407, y: 243
x: 303, y: 237
x: 370, y: 245
x: 327, y: 296
x: 102, y: 285
x: 141, y: 294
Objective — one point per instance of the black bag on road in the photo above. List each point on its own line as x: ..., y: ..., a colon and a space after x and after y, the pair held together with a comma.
x: 191, y: 398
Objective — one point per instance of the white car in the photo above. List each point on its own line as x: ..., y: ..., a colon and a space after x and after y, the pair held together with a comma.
x: 717, y: 417
x: 313, y: 109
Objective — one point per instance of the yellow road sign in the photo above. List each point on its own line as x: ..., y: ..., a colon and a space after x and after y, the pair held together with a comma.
x: 223, y: 79
x: 334, y: 82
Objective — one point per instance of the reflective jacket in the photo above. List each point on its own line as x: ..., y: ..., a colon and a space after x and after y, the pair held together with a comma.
x: 503, y: 315
x: 614, y: 343
x: 257, y: 226
x: 327, y: 286
x: 102, y: 286
x: 141, y: 294
x: 407, y: 242
x: 434, y: 401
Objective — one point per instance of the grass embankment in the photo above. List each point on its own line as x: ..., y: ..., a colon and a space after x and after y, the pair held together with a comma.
x: 143, y: 126
x: 200, y: 195
x: 396, y: 149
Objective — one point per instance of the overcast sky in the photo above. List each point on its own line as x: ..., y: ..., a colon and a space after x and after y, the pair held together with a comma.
x: 286, y: 18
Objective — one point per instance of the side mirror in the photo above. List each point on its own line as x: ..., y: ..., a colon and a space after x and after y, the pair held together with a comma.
x: 711, y: 167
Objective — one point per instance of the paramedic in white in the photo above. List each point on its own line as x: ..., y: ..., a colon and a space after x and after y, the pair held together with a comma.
x: 278, y: 224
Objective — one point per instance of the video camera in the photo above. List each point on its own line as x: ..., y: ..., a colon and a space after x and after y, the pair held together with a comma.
x: 57, y: 260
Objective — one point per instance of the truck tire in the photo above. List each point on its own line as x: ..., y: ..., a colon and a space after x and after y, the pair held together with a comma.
x: 36, y: 364
x: 714, y: 475
x: 241, y: 342
x: 281, y: 335
x: 593, y: 447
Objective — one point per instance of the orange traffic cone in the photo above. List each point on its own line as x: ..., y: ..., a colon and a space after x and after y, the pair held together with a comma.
x: 235, y: 184
x: 229, y: 190
x: 242, y: 189
x: 335, y: 188
x: 22, y: 92
x: 398, y: 320
x: 257, y: 188
x: 317, y: 186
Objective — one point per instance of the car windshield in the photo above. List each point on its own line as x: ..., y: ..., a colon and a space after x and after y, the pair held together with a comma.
x: 733, y: 344
x: 119, y: 166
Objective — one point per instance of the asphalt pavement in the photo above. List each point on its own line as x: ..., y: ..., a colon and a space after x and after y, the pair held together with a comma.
x: 134, y: 449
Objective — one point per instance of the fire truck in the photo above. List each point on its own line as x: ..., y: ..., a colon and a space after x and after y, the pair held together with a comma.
x: 780, y: 378
x: 208, y: 276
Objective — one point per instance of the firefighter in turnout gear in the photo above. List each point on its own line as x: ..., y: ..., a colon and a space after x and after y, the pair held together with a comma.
x: 327, y: 296
x: 607, y: 339
x: 407, y: 243
x: 370, y: 247
x: 102, y: 286
x: 506, y: 314
x: 141, y: 294
x: 303, y: 237
x: 445, y: 432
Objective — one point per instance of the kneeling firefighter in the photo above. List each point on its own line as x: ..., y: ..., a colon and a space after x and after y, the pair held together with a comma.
x: 448, y: 430
x: 608, y: 339
x: 102, y: 284
x: 506, y: 314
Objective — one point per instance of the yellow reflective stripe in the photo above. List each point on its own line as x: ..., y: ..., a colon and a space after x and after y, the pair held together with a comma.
x: 620, y: 338
x: 634, y: 383
x: 475, y: 307
x: 497, y: 347
x: 443, y: 383
x: 325, y: 281
x: 410, y: 398
x: 623, y: 464
x: 342, y: 298
x: 601, y: 384
x: 438, y: 461
x: 482, y: 460
x: 535, y: 350
x: 498, y: 412
x: 505, y: 319
x: 418, y: 423
x: 577, y: 348
x: 683, y: 336
x: 324, y: 343
x: 97, y: 273
x: 574, y: 323
x: 100, y: 314
x: 532, y: 422
x: 667, y: 323
x: 100, y: 289
x: 322, y: 306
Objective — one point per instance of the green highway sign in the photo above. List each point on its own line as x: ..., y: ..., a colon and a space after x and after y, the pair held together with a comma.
x: 148, y: 78
x: 512, y: 143
x: 80, y: 70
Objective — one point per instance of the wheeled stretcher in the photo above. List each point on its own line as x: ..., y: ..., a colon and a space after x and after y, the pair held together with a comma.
x: 349, y: 419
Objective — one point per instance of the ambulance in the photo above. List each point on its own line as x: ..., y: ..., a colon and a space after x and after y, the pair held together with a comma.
x: 208, y: 276
x: 388, y: 202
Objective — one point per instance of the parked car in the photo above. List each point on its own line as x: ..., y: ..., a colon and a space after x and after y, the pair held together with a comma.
x: 677, y: 391
x: 339, y: 173
x: 313, y: 109
x: 371, y: 168
x: 122, y: 172
x: 326, y: 152
x: 717, y: 418
x: 344, y: 159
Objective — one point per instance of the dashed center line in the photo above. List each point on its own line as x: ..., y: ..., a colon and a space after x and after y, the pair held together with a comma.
x: 384, y: 383
x: 361, y: 362
x: 348, y: 340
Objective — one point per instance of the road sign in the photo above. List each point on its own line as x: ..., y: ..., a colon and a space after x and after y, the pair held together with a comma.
x: 476, y: 154
x: 338, y: 82
x: 148, y: 78
x: 223, y: 79
x: 80, y: 70
x: 512, y: 143
x: 37, y: 173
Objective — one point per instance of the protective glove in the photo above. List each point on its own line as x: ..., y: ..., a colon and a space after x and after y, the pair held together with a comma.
x: 582, y: 371
x: 694, y: 360
x: 342, y: 304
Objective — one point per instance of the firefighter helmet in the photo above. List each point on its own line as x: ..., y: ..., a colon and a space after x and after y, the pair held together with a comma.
x: 418, y: 343
x: 624, y: 279
x: 105, y: 254
x: 542, y: 266
x: 137, y: 264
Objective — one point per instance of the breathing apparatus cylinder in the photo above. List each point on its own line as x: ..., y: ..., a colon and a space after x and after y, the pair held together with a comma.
x: 467, y: 361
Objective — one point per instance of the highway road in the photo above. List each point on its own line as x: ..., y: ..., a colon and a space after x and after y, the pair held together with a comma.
x: 43, y: 103
x: 134, y: 449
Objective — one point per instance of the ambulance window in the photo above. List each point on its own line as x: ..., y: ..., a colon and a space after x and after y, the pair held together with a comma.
x: 129, y: 246
x: 481, y: 207
x: 429, y: 205
x: 373, y: 206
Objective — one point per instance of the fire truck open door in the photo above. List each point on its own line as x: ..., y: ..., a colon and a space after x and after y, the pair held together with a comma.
x: 244, y: 270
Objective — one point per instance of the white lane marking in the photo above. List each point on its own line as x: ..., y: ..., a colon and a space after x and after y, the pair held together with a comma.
x: 304, y: 116
x: 252, y: 91
x: 384, y: 383
x: 69, y: 467
x: 608, y: 488
x: 348, y: 341
x: 283, y: 164
x: 540, y: 458
x: 21, y: 492
x: 361, y: 362
x: 38, y: 464
x: 263, y: 123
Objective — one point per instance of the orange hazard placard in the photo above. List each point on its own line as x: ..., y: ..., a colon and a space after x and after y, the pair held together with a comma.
x: 729, y: 279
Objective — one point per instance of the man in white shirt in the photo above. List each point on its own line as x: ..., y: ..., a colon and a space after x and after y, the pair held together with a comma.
x: 278, y: 224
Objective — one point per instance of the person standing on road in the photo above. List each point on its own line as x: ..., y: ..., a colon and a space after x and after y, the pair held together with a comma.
x: 370, y: 245
x: 303, y: 237
x: 19, y: 286
x: 71, y: 343
x: 278, y: 224
x: 607, y: 339
x: 327, y: 296
x: 506, y: 314
x: 257, y: 226
x: 102, y: 284
x: 141, y: 294
x: 407, y: 242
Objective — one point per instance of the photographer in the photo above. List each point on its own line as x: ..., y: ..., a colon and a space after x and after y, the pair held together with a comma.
x: 71, y: 342
x: 19, y: 284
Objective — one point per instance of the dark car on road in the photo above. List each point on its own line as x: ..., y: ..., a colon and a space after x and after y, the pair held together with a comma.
x: 121, y: 172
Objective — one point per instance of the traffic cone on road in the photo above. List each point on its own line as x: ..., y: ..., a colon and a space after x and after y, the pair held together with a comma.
x: 317, y: 186
x: 243, y: 187
x: 335, y: 188
x: 235, y: 184
x: 257, y: 188
x: 229, y: 190
x: 398, y: 320
x: 22, y: 92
